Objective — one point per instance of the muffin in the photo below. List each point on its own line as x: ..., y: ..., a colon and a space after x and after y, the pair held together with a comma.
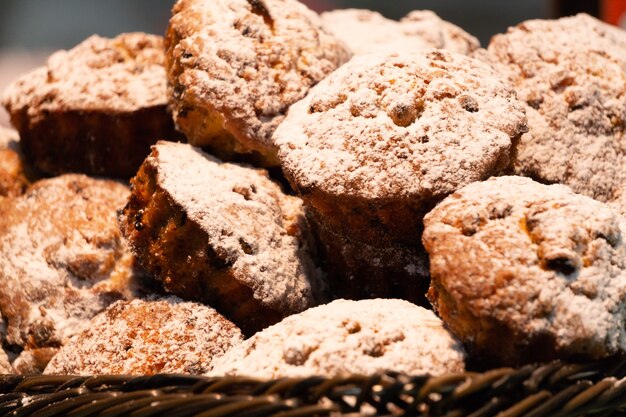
x: 378, y: 143
x: 94, y: 109
x: 570, y: 74
x: 524, y: 272
x: 146, y: 337
x: 366, y: 31
x: 361, y: 337
x: 235, y: 66
x: 64, y: 261
x: 223, y: 234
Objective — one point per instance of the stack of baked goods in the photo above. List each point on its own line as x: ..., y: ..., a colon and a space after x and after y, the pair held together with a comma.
x: 315, y: 196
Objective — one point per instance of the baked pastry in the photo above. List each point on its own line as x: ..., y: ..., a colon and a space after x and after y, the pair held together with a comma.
x: 235, y: 67
x: 13, y: 172
x: 94, y: 109
x: 360, y: 337
x: 570, y: 74
x: 145, y: 337
x: 63, y: 261
x: 223, y: 234
x: 5, y: 366
x: 525, y: 272
x: 377, y: 144
x: 366, y: 31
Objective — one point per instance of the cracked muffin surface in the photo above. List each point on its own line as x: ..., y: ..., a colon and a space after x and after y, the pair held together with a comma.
x: 524, y: 272
x: 341, y: 337
x: 222, y: 233
x: 570, y: 75
x: 64, y: 261
x: 235, y: 67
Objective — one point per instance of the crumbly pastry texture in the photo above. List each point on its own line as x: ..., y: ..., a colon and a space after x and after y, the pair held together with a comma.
x: 363, y: 337
x: 414, y: 125
x: 570, y: 74
x: 117, y: 75
x: 13, y: 176
x: 235, y: 67
x: 145, y: 337
x: 64, y: 260
x: 246, y: 237
x: 94, y: 109
x: 524, y: 272
x: 366, y: 31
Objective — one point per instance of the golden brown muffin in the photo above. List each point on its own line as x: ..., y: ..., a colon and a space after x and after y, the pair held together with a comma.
x: 63, y: 261
x: 346, y: 337
x: 13, y: 172
x: 221, y: 233
x: 146, y: 337
x: 366, y: 31
x: 570, y: 73
x: 525, y: 272
x: 94, y: 109
x: 235, y: 66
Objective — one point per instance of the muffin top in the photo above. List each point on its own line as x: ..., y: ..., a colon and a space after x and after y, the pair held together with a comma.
x: 540, y: 260
x: 145, y: 337
x: 366, y: 31
x: 411, y: 125
x: 344, y: 336
x: 122, y: 74
x: 570, y: 73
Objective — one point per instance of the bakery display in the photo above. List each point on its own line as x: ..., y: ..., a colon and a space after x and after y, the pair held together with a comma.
x: 235, y: 66
x: 525, y: 272
x: 63, y: 261
x: 94, y: 109
x: 221, y: 233
x: 14, y: 173
x: 393, y: 166
x: 146, y: 337
x: 373, y: 147
x: 366, y: 31
x: 359, y: 337
x: 570, y: 74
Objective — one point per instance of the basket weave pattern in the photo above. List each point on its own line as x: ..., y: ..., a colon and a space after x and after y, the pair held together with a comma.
x: 555, y: 389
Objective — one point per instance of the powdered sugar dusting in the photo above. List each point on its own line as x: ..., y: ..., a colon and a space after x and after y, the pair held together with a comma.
x: 415, y: 124
x: 123, y: 74
x: 366, y: 31
x: 248, y: 61
x: 545, y: 262
x: 249, y: 221
x: 570, y: 73
x: 362, y: 337
x: 144, y: 337
x: 63, y: 258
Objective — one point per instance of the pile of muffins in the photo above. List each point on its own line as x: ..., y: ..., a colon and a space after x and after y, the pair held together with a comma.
x: 315, y: 195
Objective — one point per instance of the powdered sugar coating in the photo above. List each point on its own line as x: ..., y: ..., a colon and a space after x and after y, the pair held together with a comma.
x: 366, y: 31
x: 116, y: 75
x: 365, y: 337
x: 413, y: 125
x: 522, y: 269
x: 570, y: 73
x: 145, y: 337
x: 250, y: 223
x: 63, y: 258
x: 244, y: 62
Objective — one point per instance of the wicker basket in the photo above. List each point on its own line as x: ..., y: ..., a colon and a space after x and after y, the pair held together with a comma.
x: 553, y: 389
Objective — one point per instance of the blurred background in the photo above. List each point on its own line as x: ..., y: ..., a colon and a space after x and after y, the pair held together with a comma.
x: 31, y: 29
